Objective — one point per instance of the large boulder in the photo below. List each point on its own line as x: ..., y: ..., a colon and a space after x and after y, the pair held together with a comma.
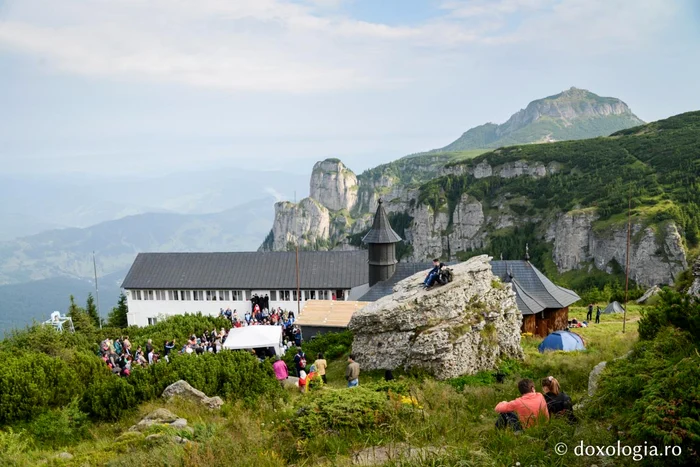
x: 184, y: 390
x: 451, y: 330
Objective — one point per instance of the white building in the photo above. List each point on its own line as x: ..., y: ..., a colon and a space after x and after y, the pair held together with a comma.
x: 164, y: 284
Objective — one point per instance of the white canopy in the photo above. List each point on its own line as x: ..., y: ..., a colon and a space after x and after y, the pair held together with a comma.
x: 253, y: 337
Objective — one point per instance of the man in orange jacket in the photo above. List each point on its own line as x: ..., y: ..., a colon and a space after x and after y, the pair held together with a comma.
x: 524, y: 411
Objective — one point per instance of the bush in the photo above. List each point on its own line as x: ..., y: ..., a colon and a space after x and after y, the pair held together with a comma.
x: 653, y: 394
x: 30, y: 383
x: 673, y: 309
x: 356, y: 408
x: 58, y: 428
x: 108, y: 399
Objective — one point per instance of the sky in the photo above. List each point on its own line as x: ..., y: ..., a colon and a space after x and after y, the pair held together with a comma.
x: 146, y: 87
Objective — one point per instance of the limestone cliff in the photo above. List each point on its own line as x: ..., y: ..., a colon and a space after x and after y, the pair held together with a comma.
x: 308, y: 221
x: 656, y: 252
x: 461, y: 328
x: 333, y: 185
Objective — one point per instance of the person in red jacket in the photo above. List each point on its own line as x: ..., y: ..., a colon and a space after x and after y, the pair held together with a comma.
x: 524, y: 411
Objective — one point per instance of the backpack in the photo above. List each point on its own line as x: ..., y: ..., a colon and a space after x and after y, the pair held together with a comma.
x: 445, y: 276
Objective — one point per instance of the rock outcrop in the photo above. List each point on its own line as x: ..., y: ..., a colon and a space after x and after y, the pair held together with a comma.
x: 459, y: 328
x: 656, y: 255
x: 184, y: 390
x: 333, y: 185
x: 307, y: 222
x: 159, y: 417
x: 594, y: 377
x: 694, y: 288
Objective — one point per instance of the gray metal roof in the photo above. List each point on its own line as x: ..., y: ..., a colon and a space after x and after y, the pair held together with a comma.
x: 248, y: 270
x: 381, y: 231
x: 533, y: 291
x: 537, y: 290
x: 384, y: 288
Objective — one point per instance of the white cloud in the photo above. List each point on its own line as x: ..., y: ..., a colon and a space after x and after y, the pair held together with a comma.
x: 276, y: 45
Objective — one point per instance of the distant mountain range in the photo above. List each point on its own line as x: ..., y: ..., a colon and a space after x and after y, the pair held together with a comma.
x: 39, y: 272
x: 569, y: 115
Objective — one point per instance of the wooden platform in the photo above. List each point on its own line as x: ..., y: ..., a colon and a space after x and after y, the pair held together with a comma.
x: 330, y: 313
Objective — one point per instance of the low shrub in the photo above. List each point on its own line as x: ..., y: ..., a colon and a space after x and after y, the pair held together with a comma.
x: 108, y: 399
x: 30, y: 383
x: 356, y: 408
x: 59, y: 428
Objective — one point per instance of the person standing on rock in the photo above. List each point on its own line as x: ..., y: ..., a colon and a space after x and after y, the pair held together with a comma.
x: 589, y: 315
x: 433, y: 274
x: 352, y: 373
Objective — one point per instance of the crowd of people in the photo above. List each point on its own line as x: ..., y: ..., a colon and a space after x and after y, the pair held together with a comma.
x: 533, y: 406
x: 120, y: 355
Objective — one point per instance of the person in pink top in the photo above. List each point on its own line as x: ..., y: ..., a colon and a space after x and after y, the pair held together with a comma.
x: 280, y: 369
x: 524, y: 411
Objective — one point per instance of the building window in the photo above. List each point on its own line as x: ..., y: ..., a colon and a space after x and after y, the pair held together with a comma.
x: 294, y: 295
x: 224, y: 295
x: 185, y: 295
x: 148, y: 295
x: 273, y: 295
x: 211, y: 295
x: 309, y: 295
x: 248, y: 295
x: 237, y: 295
x: 136, y: 294
x: 198, y: 295
x: 323, y: 295
x: 173, y: 295
x: 152, y: 321
x: 160, y: 294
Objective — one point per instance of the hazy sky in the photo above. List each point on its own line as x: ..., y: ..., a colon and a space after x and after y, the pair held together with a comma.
x: 147, y: 86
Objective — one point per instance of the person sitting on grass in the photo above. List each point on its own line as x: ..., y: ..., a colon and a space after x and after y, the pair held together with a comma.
x: 524, y: 411
x: 433, y: 274
x: 558, y: 402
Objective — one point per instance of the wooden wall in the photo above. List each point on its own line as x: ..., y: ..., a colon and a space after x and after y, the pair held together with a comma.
x: 529, y: 324
x: 551, y: 320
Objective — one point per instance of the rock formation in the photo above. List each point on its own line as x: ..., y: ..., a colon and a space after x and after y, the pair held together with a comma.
x: 459, y: 328
x: 333, y: 185
x: 656, y: 255
x: 159, y: 417
x: 694, y: 288
x: 184, y: 390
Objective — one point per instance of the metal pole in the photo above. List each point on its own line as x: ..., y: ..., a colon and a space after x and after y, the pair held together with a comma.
x: 296, y: 226
x: 97, y: 290
x: 627, y: 269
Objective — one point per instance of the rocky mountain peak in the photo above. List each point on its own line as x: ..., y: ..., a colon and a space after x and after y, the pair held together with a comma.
x: 333, y: 185
x: 572, y: 114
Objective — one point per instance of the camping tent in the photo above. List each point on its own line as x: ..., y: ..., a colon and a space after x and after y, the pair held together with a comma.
x: 614, y: 307
x: 255, y: 337
x: 562, y: 340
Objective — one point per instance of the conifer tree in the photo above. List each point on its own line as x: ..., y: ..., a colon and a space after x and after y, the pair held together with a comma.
x: 117, y: 317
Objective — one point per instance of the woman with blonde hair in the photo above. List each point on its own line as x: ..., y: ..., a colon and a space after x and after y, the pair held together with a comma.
x: 558, y: 402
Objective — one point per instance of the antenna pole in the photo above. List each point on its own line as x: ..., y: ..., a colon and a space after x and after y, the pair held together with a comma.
x: 97, y: 289
x: 627, y: 269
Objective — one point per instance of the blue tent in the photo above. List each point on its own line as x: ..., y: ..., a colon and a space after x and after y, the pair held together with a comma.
x: 562, y: 340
